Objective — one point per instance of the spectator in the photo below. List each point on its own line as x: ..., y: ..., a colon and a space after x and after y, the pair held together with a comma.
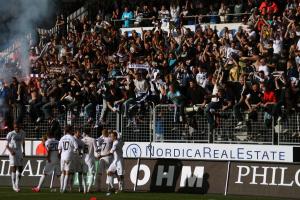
x: 41, y: 149
x: 54, y: 127
x: 164, y: 15
x: 177, y: 99
x: 268, y: 7
x: 127, y: 16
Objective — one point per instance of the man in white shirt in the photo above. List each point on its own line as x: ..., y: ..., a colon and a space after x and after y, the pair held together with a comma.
x: 104, y: 144
x: 15, y: 144
x: 116, y: 167
x: 66, y: 147
x: 52, y: 161
x: 263, y: 67
x: 88, y: 159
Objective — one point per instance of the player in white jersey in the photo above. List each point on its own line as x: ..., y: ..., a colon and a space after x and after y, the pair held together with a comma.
x: 66, y: 147
x: 104, y: 144
x: 15, y: 145
x: 77, y: 163
x: 116, y: 167
x: 88, y: 159
x: 52, y: 161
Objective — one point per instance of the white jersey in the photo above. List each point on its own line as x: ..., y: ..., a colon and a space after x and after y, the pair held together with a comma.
x: 89, y: 148
x: 80, y: 145
x: 104, y: 145
x: 67, y: 146
x: 15, y: 140
x: 52, y: 148
x: 117, y: 150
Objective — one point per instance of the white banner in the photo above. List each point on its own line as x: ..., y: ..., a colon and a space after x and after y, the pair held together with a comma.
x: 193, y: 151
x: 225, y: 152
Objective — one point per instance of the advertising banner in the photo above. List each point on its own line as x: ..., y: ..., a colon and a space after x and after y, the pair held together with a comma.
x: 264, y: 179
x: 162, y: 175
x: 171, y: 175
x: 195, y: 151
x: 202, y: 151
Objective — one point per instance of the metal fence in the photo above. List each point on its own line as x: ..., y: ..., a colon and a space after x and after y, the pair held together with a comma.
x: 252, y: 131
x: 167, y: 128
x: 148, y: 123
x: 75, y: 118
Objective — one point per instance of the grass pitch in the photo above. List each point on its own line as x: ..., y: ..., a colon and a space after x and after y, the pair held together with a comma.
x: 26, y: 194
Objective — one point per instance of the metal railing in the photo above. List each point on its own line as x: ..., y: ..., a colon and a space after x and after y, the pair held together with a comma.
x: 157, y: 124
x: 78, y: 14
x: 191, y: 19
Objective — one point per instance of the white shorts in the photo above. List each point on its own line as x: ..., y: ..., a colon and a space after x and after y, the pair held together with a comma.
x: 52, y: 167
x: 117, y: 166
x: 16, y: 160
x: 65, y: 165
x: 104, y: 164
x: 89, y: 166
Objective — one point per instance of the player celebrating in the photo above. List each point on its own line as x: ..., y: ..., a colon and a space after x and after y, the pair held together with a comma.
x: 116, y: 167
x: 88, y: 159
x: 15, y: 144
x: 66, y: 147
x: 104, y: 144
x: 52, y: 163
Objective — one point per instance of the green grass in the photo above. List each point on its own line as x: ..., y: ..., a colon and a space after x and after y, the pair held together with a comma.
x: 8, y: 194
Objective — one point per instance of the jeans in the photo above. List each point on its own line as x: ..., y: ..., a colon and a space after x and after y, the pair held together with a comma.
x: 88, y: 111
x: 237, y: 111
x: 104, y: 110
x: 209, y: 115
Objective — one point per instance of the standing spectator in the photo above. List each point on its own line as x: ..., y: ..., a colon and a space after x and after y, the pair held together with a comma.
x: 41, y: 149
x: 174, y: 11
x: 268, y: 7
x: 127, y: 16
x: 177, y: 99
x: 18, y: 99
x: 164, y: 15
x: 54, y: 127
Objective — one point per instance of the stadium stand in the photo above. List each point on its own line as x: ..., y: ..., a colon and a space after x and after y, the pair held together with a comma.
x: 186, y: 71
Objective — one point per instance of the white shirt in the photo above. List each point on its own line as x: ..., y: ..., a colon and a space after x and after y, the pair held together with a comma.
x: 201, y: 79
x: 298, y: 45
x: 89, y: 148
x: 215, y: 92
x: 52, y: 147
x: 67, y: 146
x: 104, y: 144
x: 15, y: 140
x: 80, y: 148
x: 277, y: 46
x: 265, y: 69
x: 141, y: 86
x: 117, y: 150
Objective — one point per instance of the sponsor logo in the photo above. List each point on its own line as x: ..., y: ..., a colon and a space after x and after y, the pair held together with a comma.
x: 265, y: 153
x: 267, y: 175
x: 133, y: 151
x: 188, y: 177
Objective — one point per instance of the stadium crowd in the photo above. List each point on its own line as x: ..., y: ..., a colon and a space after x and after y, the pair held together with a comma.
x: 256, y: 66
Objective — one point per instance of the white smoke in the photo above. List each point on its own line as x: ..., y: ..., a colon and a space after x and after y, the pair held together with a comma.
x: 22, y: 16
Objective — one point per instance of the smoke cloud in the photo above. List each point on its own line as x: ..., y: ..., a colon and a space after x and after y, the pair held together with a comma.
x: 19, y: 18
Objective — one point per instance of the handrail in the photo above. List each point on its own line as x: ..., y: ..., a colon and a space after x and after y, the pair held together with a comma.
x: 189, y: 16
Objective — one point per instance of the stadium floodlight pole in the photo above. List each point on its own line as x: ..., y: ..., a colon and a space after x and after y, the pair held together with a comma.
x: 227, y: 178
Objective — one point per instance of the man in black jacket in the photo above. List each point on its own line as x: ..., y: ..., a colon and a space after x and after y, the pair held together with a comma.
x: 54, y: 128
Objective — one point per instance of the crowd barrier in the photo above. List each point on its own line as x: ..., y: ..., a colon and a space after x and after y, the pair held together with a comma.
x: 156, y: 124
